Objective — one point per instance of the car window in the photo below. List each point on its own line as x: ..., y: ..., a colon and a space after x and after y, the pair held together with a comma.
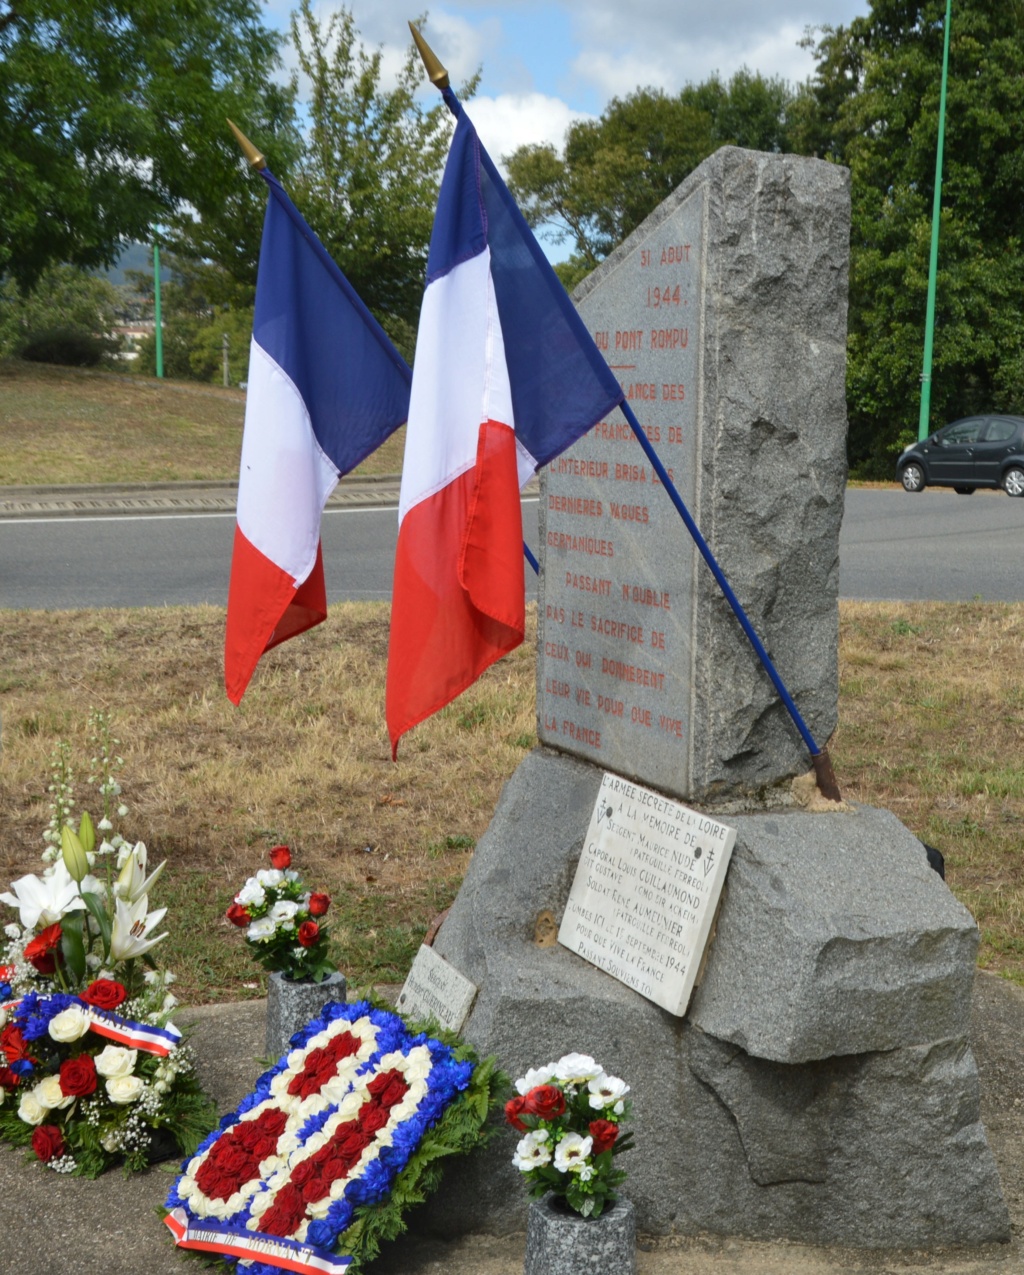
x: 1000, y: 431
x: 961, y: 432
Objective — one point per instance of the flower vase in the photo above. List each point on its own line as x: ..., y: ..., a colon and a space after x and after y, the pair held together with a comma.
x: 561, y: 1242
x: 291, y: 1005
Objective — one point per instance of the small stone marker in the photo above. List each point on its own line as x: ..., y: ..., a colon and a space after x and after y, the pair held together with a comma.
x: 646, y: 891
x: 435, y: 989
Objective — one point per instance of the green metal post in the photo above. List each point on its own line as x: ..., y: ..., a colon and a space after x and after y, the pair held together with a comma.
x: 156, y: 307
x: 923, y: 429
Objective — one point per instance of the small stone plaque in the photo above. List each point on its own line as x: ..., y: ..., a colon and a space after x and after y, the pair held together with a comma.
x: 646, y: 890
x: 435, y: 989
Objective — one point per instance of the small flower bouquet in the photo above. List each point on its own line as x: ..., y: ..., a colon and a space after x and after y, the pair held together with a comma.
x: 91, y: 1068
x: 283, y: 921
x: 335, y: 1142
x: 570, y: 1113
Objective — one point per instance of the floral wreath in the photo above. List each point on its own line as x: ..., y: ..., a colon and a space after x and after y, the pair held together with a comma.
x: 333, y: 1144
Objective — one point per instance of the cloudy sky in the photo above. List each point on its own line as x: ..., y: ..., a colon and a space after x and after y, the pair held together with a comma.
x: 545, y: 63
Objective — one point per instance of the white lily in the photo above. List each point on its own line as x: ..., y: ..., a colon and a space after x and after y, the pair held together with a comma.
x: 44, y: 899
x: 132, y: 882
x: 132, y: 925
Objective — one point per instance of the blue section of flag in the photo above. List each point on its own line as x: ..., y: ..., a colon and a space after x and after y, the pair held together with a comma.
x: 561, y: 385
x: 354, y: 383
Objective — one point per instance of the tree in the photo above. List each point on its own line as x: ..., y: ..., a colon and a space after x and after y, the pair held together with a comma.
x: 112, y: 119
x: 371, y: 165
x: 617, y: 169
x: 878, y: 88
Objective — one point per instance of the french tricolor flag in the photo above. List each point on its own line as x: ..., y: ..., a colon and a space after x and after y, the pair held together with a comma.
x: 506, y: 376
x: 326, y: 387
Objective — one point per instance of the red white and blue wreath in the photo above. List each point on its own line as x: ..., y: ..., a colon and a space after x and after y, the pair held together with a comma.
x: 316, y: 1165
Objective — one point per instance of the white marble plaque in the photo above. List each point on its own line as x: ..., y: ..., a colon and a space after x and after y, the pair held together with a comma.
x: 435, y: 989
x: 646, y: 889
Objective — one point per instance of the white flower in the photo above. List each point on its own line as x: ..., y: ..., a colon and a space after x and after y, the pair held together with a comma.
x: 272, y: 877
x: 122, y: 810
x: 105, y: 825
x: 532, y: 1151
x: 132, y: 883
x: 168, y: 1003
x: 605, y: 1091
x: 586, y: 1172
x: 251, y: 894
x: 114, y: 1060
x: 283, y: 910
x: 125, y: 1089
x: 576, y: 1068
x: 261, y: 929
x: 49, y: 1094
x: 111, y: 1142
x: 70, y: 1024
x: 534, y: 1077
x: 44, y: 900
x: 571, y: 1152
x: 30, y: 1109
x: 12, y: 931
x: 619, y: 1108
x: 130, y: 933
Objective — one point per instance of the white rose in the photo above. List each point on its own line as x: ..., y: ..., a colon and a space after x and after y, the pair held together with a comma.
x: 534, y: 1077
x: 251, y: 894
x: 576, y: 1068
x: 272, y: 877
x: 125, y: 1089
x: 30, y: 1109
x: 70, y: 1024
x: 49, y: 1094
x: 115, y: 1061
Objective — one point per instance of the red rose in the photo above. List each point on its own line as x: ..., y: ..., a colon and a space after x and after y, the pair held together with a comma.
x: 547, y: 1102
x: 47, y: 1142
x: 238, y: 915
x: 372, y: 1118
x: 309, y: 932
x: 78, y: 1076
x: 351, y: 1143
x: 604, y: 1133
x: 319, y: 903
x: 514, y: 1108
x: 281, y: 857
x: 40, y: 952
x: 8, y: 1079
x: 104, y: 993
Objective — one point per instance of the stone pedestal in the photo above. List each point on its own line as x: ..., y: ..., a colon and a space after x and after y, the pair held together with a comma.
x: 821, y: 1087
x: 563, y: 1243
x: 293, y: 1005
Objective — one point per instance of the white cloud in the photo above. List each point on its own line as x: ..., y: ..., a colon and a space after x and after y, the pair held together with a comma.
x: 512, y: 120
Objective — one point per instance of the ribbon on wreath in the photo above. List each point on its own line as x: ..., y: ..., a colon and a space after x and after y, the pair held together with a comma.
x: 231, y: 1241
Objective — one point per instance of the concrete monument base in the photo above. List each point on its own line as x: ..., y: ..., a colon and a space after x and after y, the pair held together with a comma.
x: 821, y: 1086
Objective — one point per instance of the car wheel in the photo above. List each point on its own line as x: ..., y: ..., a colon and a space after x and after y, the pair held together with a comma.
x: 1013, y: 481
x: 964, y: 491
x: 912, y: 477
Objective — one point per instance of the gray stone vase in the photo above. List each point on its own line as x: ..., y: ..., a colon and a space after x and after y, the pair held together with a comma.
x: 560, y: 1242
x: 291, y: 1006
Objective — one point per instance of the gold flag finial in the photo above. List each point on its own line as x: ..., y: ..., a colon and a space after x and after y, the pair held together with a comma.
x: 248, y: 150
x: 438, y: 75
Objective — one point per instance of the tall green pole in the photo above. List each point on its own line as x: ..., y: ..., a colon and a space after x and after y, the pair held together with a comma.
x: 159, y: 331
x: 933, y: 261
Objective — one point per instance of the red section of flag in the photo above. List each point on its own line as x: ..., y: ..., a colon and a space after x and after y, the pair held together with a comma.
x: 265, y: 608
x: 459, y: 600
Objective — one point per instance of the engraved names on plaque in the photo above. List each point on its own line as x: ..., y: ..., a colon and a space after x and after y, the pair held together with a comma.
x: 615, y: 653
x: 646, y: 890
x: 435, y: 989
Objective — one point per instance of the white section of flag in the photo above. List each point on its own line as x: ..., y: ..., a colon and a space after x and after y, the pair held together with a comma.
x: 284, y: 478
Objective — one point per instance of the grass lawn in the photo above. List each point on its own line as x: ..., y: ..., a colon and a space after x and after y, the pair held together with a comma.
x: 931, y: 727
x: 66, y: 426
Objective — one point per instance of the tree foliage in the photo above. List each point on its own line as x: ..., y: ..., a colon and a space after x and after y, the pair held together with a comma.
x: 617, y: 169
x: 112, y: 118
x: 67, y: 319
x: 876, y: 106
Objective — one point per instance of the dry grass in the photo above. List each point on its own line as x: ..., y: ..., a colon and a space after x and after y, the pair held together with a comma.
x: 304, y: 760
x: 67, y: 426
x: 932, y: 724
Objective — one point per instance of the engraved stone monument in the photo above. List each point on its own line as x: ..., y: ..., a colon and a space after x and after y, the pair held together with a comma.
x: 820, y: 1085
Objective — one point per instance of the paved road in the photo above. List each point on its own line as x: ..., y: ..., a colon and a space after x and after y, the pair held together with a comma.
x: 933, y: 546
